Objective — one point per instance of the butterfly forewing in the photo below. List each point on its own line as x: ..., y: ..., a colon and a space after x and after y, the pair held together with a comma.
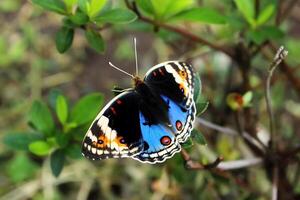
x: 116, y: 130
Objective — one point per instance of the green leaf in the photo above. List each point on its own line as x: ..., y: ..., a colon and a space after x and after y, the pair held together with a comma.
x: 73, y: 151
x: 79, y: 18
x: 188, y: 144
x: 62, y: 139
x: 64, y: 39
x: 40, y: 147
x: 204, y: 15
x: 95, y: 40
x: 84, y: 6
x: 57, y: 160
x: 62, y: 109
x: 20, y: 141
x: 201, y: 107
x: 21, y: 168
x: 86, y: 109
x: 69, y: 4
x: 146, y: 6
x: 198, y: 137
x: 40, y: 117
x: 95, y: 7
x: 52, y: 5
x: 263, y: 33
x: 116, y: 16
x: 198, y: 87
x: 265, y: 15
x: 166, y: 8
x: 246, y: 7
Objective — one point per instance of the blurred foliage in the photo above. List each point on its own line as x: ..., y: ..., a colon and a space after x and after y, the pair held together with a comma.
x: 54, y: 55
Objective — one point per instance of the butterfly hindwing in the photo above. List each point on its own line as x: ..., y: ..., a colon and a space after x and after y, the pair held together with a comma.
x: 116, y: 130
x: 159, y: 142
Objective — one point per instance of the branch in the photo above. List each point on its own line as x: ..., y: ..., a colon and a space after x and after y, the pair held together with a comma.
x: 280, y: 55
x: 180, y: 31
x: 237, y: 164
x: 252, y: 141
x: 275, y: 184
x: 193, y: 165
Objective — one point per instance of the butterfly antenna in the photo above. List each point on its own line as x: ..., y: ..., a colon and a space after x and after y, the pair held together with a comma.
x: 121, y: 70
x: 136, y: 60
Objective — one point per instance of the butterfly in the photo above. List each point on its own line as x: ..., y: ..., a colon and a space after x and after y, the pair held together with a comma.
x: 148, y: 122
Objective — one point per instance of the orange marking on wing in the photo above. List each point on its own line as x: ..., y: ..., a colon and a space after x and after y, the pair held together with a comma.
x: 182, y: 74
x: 120, y: 141
x: 182, y: 88
x: 102, y: 141
x: 119, y: 102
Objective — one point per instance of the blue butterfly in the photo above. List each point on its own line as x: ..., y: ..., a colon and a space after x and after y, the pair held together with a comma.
x: 148, y: 122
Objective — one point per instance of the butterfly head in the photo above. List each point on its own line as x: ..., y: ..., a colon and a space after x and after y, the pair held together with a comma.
x: 137, y: 81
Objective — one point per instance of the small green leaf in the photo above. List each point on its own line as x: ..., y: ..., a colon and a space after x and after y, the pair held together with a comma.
x: 198, y: 87
x: 246, y: 7
x: 198, y: 137
x: 95, y: 40
x: 20, y: 141
x: 263, y: 33
x: 40, y: 147
x: 235, y: 101
x: 40, y: 117
x: 21, y: 168
x: 86, y: 109
x: 201, y: 107
x: 265, y: 15
x: 84, y: 5
x: 95, y: 7
x: 62, y: 109
x: 57, y: 160
x: 70, y: 4
x: 62, y: 139
x: 204, y: 15
x: 146, y: 6
x: 64, y: 39
x: 79, y: 18
x: 247, y: 97
x: 188, y: 144
x: 52, y: 5
x: 116, y: 16
x: 73, y: 151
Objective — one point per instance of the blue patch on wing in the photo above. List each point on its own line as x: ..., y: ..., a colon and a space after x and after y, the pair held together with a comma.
x: 160, y: 142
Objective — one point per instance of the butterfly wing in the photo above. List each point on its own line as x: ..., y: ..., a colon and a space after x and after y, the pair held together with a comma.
x: 116, y: 130
x: 174, y: 80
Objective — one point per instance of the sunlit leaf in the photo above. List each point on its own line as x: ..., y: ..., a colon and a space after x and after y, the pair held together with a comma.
x: 39, y: 147
x: 52, y: 5
x: 116, y: 16
x: 62, y: 109
x: 265, y: 14
x: 95, y: 7
x: 204, y: 15
x: 246, y: 7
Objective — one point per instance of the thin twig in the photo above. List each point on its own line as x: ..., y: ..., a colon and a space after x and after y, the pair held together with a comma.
x: 193, y: 165
x: 237, y: 164
x: 280, y: 55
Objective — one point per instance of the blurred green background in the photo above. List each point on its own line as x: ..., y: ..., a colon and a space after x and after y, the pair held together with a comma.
x: 55, y: 77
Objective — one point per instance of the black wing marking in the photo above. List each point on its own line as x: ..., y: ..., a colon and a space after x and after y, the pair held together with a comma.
x: 116, y: 130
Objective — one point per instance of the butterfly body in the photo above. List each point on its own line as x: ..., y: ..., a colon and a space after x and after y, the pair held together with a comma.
x: 148, y: 122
